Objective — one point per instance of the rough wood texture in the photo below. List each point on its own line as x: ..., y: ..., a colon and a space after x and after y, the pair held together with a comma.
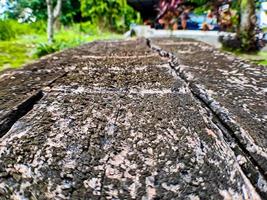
x: 120, y: 124
x: 234, y: 89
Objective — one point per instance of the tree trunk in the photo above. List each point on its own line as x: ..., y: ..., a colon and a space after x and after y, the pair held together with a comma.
x: 246, y: 31
x: 52, y: 15
x: 50, y: 21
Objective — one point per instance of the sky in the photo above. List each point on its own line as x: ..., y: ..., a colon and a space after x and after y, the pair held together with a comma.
x: 3, y: 6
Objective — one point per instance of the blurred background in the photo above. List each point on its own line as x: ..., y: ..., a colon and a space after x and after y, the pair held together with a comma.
x: 30, y: 29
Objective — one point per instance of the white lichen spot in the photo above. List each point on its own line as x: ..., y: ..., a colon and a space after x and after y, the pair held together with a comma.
x: 241, y: 159
x: 172, y: 188
x: 94, y: 183
x: 193, y: 197
x: 150, y: 150
x: 24, y: 170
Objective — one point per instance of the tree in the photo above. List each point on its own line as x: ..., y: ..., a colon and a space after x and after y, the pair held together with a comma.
x: 113, y: 14
x: 52, y: 15
x: 245, y: 38
x: 247, y: 25
x: 70, y: 11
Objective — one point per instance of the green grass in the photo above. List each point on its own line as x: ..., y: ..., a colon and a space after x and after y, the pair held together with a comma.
x: 24, y: 48
x: 264, y: 62
x: 259, y: 58
x: 13, y: 54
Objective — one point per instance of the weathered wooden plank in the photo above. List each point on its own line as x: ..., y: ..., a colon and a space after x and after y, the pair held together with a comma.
x: 233, y: 88
x: 120, y: 130
x: 18, y: 86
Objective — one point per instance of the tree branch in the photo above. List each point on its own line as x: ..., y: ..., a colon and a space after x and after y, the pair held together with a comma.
x: 57, y: 9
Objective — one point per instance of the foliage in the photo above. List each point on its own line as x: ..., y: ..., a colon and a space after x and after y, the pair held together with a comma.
x: 31, y: 45
x: 45, y: 48
x: 70, y: 10
x: 38, y: 7
x: 177, y: 6
x: 26, y: 28
x: 88, y: 28
x: 70, y: 37
x: 37, y: 27
x: 258, y: 57
x: 115, y: 14
x: 12, y: 54
x: 6, y: 31
x: 201, y: 10
x: 10, y: 29
x: 262, y: 62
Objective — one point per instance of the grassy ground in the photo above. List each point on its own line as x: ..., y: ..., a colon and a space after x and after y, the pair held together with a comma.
x: 13, y: 54
x: 23, y: 49
x: 31, y: 43
x: 259, y: 58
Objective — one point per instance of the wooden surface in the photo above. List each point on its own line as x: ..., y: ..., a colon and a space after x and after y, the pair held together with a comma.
x: 121, y: 120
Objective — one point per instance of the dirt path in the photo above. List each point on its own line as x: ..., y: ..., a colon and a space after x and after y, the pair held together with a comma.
x: 120, y: 120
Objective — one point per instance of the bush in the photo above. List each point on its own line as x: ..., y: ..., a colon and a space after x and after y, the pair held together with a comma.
x: 28, y: 28
x: 9, y: 29
x: 114, y: 14
x: 6, y: 30
x: 38, y: 27
x: 88, y: 28
x: 43, y: 49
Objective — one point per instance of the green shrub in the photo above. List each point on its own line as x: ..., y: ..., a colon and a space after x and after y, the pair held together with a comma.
x: 6, y: 30
x: 9, y: 29
x: 38, y: 27
x: 28, y: 28
x: 89, y: 28
x: 69, y: 12
x: 21, y: 28
x: 43, y: 49
x: 13, y: 54
x: 114, y: 14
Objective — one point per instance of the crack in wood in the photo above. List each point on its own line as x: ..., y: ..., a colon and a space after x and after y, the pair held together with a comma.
x: 252, y: 169
x: 21, y: 110
x: 9, y: 119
